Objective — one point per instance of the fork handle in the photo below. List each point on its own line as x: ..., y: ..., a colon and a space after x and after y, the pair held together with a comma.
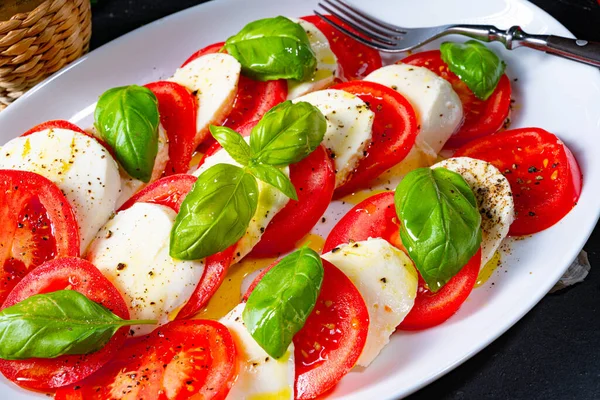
x: 575, y: 49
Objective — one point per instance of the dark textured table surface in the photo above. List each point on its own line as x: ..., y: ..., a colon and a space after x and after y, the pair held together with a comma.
x: 554, y: 351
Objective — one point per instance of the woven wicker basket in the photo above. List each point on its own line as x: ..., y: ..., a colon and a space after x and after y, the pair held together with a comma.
x: 33, y: 45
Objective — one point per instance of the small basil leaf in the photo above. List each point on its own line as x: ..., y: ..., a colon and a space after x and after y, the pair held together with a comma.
x: 282, y: 300
x: 273, y: 48
x: 440, y: 224
x: 287, y: 133
x: 276, y: 178
x: 215, y: 214
x: 55, y: 324
x: 233, y: 143
x: 127, y: 119
x: 476, y: 65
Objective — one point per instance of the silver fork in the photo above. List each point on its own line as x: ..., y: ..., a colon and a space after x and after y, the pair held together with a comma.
x: 390, y: 38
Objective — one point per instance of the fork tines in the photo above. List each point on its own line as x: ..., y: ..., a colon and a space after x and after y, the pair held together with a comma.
x: 376, y: 33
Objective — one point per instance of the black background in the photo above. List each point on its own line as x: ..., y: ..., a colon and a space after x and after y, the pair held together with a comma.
x: 554, y: 351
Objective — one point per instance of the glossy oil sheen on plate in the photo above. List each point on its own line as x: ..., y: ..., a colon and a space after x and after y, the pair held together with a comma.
x: 529, y: 268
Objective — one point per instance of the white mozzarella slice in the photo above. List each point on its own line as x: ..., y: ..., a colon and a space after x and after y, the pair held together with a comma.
x: 327, y: 65
x: 387, y: 281
x: 259, y: 375
x: 349, y: 123
x: 80, y: 166
x: 214, y: 80
x: 129, y: 185
x: 436, y: 104
x: 132, y: 251
x: 494, y: 199
x: 270, y: 202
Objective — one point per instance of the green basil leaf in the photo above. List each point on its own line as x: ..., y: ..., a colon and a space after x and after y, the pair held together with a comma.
x: 233, y: 143
x: 440, y: 224
x: 274, y: 177
x: 273, y: 48
x: 127, y: 119
x: 287, y: 133
x: 55, y: 324
x: 215, y: 214
x: 476, y: 65
x: 282, y: 300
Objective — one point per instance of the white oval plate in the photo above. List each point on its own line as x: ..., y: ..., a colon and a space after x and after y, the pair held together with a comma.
x: 558, y: 95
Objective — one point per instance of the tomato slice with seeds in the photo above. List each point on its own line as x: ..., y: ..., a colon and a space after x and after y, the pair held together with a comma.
x: 168, y: 191
x: 314, y: 180
x: 355, y: 59
x: 543, y: 174
x: 253, y: 98
x: 330, y: 343
x: 334, y: 335
x: 376, y: 217
x: 481, y: 117
x: 38, y: 225
x: 74, y: 274
x: 431, y: 309
x: 177, y: 108
x: 194, y: 359
x: 395, y: 129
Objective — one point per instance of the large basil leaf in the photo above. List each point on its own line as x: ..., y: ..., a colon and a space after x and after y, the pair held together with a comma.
x: 287, y: 133
x: 273, y: 48
x: 476, y: 65
x: 440, y: 224
x: 282, y: 300
x: 233, y: 143
x: 57, y: 323
x: 127, y: 119
x: 274, y: 177
x: 215, y: 214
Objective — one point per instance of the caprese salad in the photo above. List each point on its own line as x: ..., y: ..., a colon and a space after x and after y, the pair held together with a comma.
x: 162, y: 253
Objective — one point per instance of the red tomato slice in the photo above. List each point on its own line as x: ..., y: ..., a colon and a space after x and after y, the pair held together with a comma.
x: 215, y: 270
x: 38, y: 225
x: 431, y: 309
x: 253, y: 98
x: 376, y: 217
x: 355, y: 59
x: 543, y: 174
x: 481, y: 117
x: 168, y: 191
x: 193, y: 359
x: 178, y: 109
x: 74, y: 274
x: 62, y: 124
x: 324, y: 355
x: 373, y: 217
x: 55, y: 124
x: 314, y: 180
x: 395, y: 129
x: 211, y: 49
